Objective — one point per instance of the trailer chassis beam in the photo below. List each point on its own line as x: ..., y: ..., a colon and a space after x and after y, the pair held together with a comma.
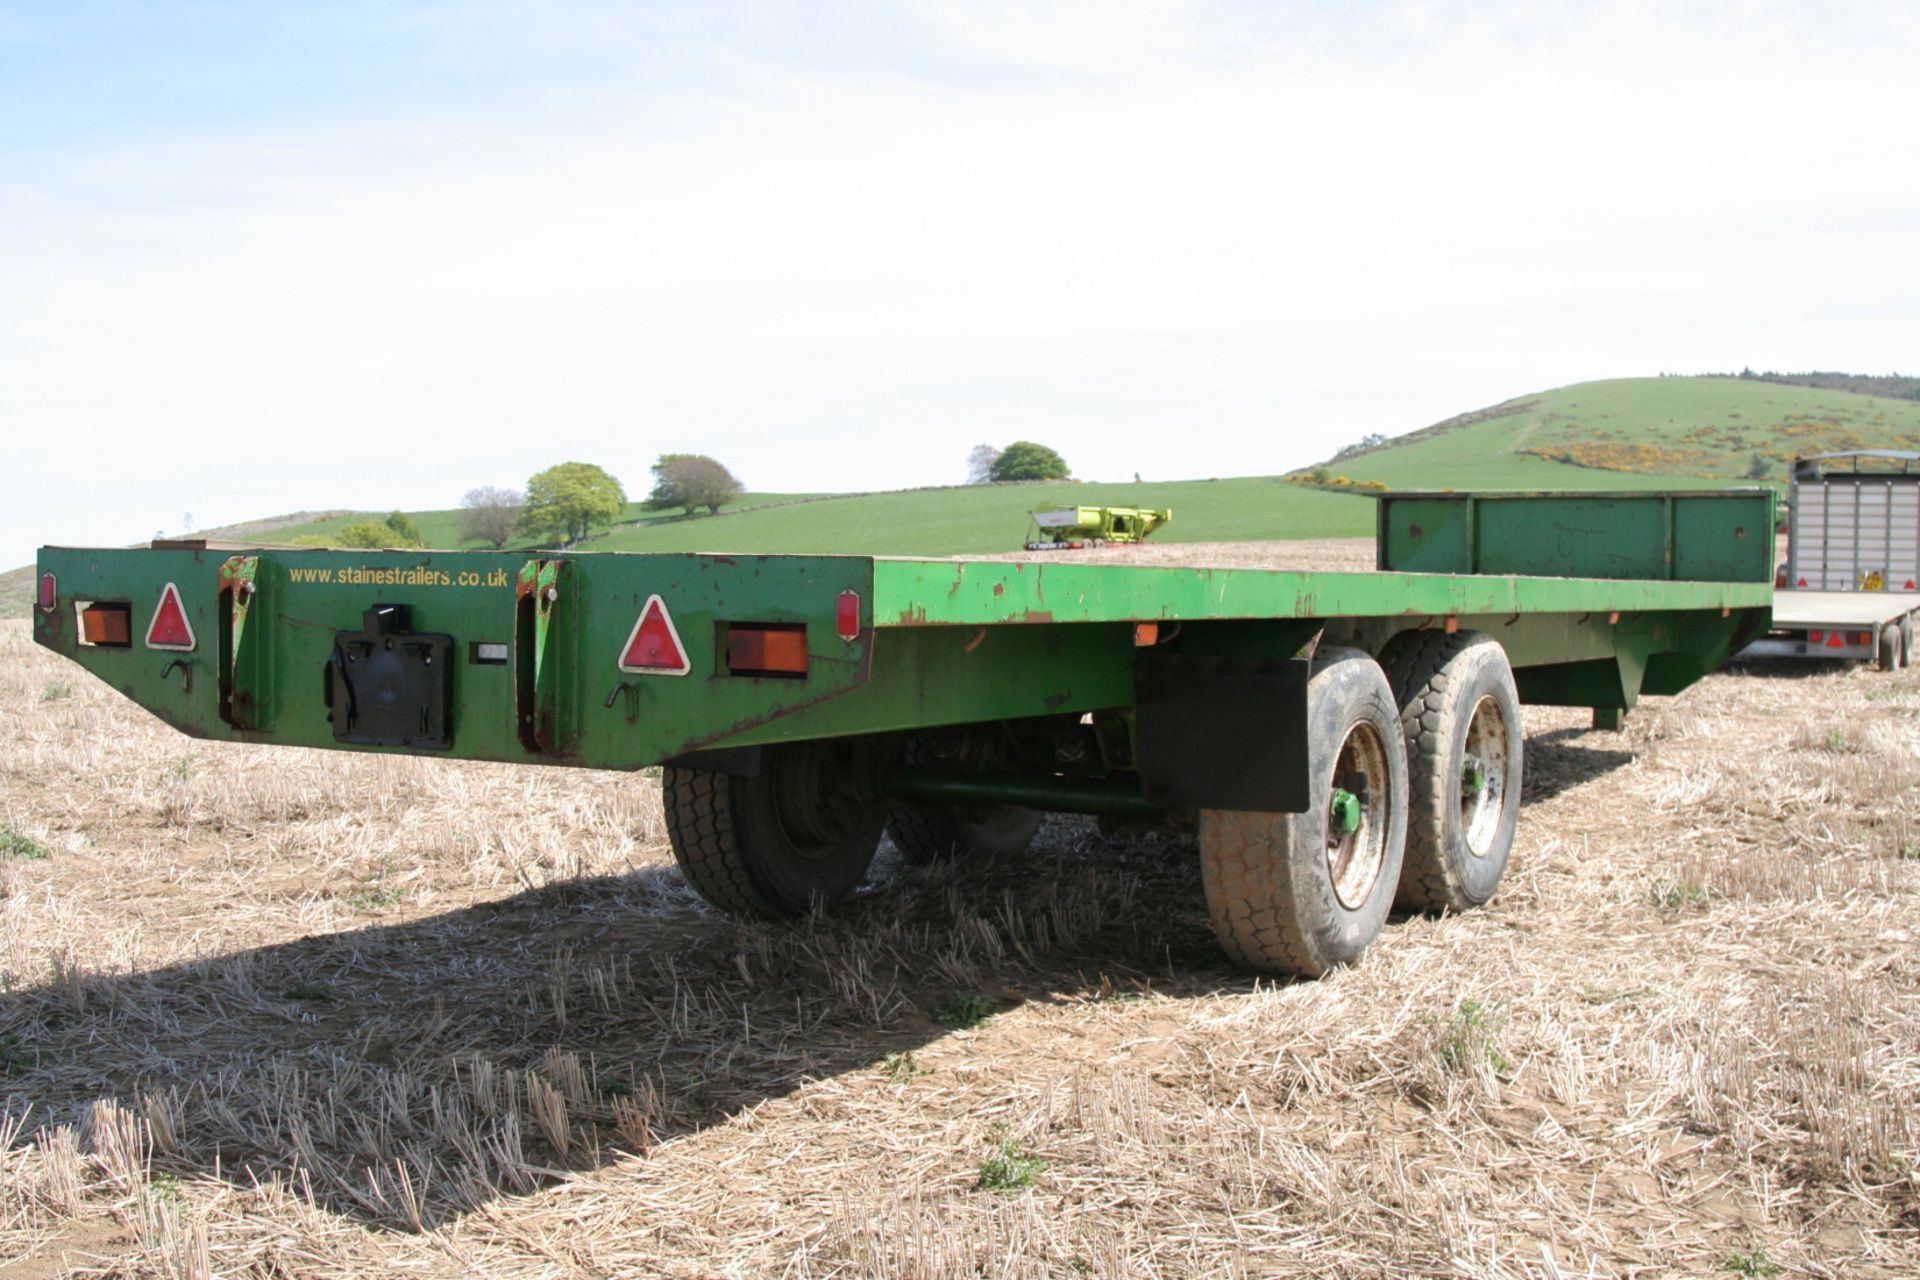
x: 1112, y: 797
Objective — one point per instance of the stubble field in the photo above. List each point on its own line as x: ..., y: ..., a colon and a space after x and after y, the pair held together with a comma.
x: 267, y: 1012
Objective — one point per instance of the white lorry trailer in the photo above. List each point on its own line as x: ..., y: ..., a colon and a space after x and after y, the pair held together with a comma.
x: 1850, y: 587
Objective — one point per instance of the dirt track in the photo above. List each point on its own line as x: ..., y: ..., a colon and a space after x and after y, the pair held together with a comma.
x: 273, y: 1012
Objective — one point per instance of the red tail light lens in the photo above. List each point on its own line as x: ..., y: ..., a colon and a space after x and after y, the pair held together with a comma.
x: 846, y: 616
x: 49, y: 593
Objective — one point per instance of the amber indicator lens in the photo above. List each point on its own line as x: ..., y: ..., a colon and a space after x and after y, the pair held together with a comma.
x: 106, y: 624
x: 767, y: 649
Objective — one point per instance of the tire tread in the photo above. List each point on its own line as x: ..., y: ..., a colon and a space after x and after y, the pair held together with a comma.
x: 1252, y: 908
x: 699, y: 813
x: 1419, y: 667
x: 922, y: 834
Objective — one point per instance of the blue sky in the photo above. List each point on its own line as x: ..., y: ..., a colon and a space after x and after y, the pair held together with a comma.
x: 837, y: 245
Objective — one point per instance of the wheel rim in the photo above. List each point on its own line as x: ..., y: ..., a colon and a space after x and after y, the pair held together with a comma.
x: 1483, y: 777
x: 1356, y: 831
x: 814, y: 801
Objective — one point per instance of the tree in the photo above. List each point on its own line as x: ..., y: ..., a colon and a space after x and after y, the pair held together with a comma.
x: 405, y: 531
x: 1758, y: 468
x: 1025, y: 460
x: 1364, y: 443
x: 366, y: 535
x: 565, y: 502
x: 663, y: 498
x: 980, y: 463
x: 691, y: 480
x: 488, y: 514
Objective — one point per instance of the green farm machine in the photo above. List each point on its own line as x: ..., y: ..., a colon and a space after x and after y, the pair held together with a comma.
x: 1336, y: 742
x: 1077, y: 528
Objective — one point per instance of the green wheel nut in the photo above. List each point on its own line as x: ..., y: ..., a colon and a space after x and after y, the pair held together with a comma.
x: 1343, y: 813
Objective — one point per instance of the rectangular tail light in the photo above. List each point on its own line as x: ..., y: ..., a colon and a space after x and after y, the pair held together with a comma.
x: 767, y: 649
x: 106, y: 623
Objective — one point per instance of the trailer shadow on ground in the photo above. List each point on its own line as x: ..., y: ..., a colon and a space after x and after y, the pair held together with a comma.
x: 405, y: 1073
x: 1558, y: 760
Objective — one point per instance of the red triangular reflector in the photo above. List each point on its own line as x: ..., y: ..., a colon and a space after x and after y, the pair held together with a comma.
x: 1801, y: 583
x: 1909, y: 585
x: 169, y: 628
x: 1834, y: 641
x: 654, y: 648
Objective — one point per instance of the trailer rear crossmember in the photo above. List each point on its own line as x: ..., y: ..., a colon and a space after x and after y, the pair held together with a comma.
x: 1310, y: 725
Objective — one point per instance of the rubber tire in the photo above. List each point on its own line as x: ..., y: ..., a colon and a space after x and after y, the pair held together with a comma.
x: 731, y: 846
x: 1269, y: 892
x: 1438, y: 679
x: 1906, y: 641
x: 925, y: 833
x: 1888, y: 656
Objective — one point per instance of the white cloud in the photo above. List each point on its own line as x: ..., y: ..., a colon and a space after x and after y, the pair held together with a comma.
x: 1155, y: 246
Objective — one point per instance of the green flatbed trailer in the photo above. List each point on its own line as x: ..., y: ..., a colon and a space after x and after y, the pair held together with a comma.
x: 1340, y: 740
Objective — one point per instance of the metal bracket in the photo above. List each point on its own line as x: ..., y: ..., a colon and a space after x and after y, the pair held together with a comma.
x: 390, y: 686
x: 536, y: 677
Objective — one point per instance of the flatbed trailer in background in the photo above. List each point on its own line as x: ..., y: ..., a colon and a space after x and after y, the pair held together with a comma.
x: 1850, y: 588
x: 1339, y: 740
x: 1857, y: 626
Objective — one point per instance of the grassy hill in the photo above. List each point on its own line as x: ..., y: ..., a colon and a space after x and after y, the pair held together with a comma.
x: 1632, y: 433
x: 16, y: 585
x: 442, y: 528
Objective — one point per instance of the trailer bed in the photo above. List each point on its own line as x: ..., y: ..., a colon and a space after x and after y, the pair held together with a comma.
x: 802, y: 704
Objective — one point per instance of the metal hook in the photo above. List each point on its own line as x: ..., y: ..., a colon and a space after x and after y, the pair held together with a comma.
x: 186, y: 673
x: 633, y: 699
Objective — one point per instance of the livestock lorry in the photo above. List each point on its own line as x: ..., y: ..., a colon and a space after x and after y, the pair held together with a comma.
x: 1850, y: 587
x: 1338, y: 741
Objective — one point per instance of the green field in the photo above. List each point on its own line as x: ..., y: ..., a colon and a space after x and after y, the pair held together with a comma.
x: 932, y: 522
x: 1627, y: 433
x: 1636, y: 433
x: 948, y: 521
